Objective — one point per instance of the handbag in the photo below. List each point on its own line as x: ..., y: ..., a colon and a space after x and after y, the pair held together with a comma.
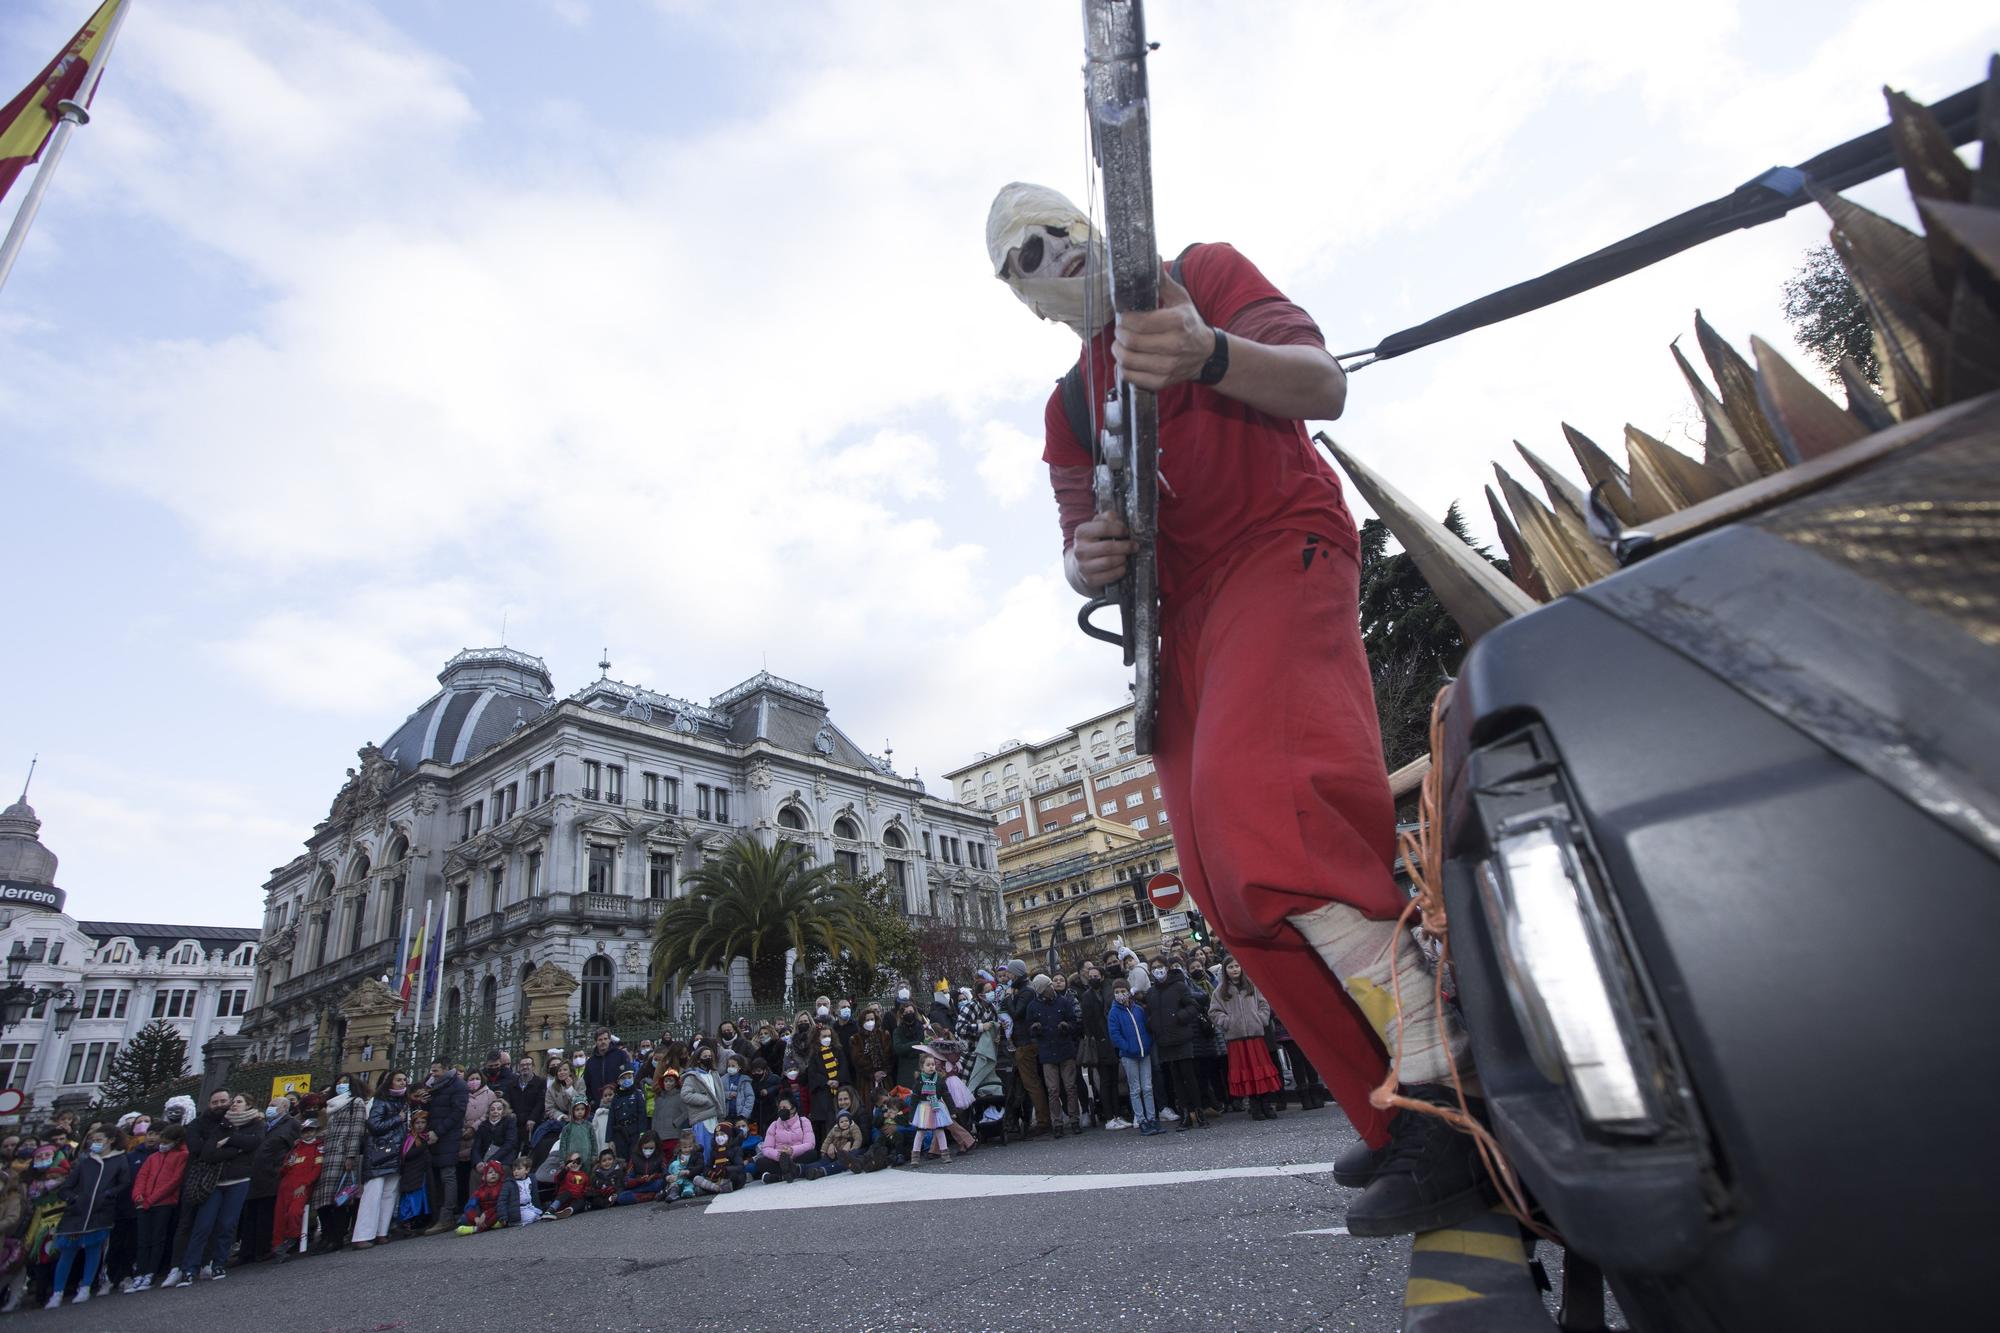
x: 961, y: 1095
x: 344, y: 1194
x: 1086, y: 1049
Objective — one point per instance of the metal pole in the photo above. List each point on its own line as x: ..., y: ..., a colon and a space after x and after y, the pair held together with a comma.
x: 444, y: 935
x: 72, y: 114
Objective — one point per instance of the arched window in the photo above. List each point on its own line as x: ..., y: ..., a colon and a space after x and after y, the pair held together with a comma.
x: 596, y: 989
x: 894, y: 837
x: 527, y: 970
x: 1010, y: 771
x: 489, y: 997
x: 399, y: 847
x: 360, y: 868
x: 186, y: 954
x: 789, y: 817
x: 358, y: 930
x: 844, y: 827
x: 245, y: 956
x: 451, y: 1002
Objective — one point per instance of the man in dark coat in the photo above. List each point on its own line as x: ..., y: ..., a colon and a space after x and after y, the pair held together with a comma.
x: 1173, y: 1012
x: 1093, y: 998
x: 1056, y: 1023
x: 281, y: 1131
x: 447, y: 1123
x: 601, y: 1070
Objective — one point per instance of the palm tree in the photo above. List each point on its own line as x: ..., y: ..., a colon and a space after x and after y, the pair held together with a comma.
x: 757, y: 902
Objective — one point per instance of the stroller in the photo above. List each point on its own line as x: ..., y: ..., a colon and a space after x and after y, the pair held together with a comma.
x: 987, y: 1116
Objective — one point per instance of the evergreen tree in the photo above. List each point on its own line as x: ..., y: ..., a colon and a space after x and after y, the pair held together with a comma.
x: 1413, y: 645
x: 156, y: 1056
x: 1827, y: 315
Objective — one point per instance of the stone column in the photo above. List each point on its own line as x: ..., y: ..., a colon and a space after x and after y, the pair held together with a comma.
x: 547, y: 993
x: 369, y: 1011
x: 711, y: 999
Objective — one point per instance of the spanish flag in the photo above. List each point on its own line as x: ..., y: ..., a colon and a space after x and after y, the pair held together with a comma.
x: 413, y: 966
x: 27, y: 122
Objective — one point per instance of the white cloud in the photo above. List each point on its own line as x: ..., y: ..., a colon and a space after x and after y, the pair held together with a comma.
x: 1010, y: 463
x: 702, y: 394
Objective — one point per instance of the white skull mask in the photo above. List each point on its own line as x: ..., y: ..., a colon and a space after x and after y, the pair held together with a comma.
x: 1043, y: 247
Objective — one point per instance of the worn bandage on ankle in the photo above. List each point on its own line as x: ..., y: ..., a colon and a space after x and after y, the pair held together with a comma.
x: 1359, y: 952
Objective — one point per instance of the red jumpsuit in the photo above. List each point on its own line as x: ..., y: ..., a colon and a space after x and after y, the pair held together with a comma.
x: 1267, y: 747
x: 295, y: 1185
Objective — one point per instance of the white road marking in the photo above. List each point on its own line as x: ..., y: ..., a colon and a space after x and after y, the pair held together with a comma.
x: 934, y: 1184
x: 1323, y: 1231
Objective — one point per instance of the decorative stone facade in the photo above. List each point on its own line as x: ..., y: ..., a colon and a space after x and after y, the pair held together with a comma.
x: 558, y: 829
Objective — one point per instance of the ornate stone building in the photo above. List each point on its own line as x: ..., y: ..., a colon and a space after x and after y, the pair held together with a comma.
x: 101, y: 981
x: 559, y: 829
x: 1087, y: 771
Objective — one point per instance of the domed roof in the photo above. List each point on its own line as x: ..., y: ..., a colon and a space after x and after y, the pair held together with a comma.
x: 487, y: 693
x: 22, y: 856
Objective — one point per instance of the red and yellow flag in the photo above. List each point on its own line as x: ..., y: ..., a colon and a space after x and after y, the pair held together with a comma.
x: 413, y: 967
x: 27, y: 122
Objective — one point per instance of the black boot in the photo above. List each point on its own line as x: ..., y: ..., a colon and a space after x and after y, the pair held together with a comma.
x: 1430, y: 1177
x: 1355, y: 1167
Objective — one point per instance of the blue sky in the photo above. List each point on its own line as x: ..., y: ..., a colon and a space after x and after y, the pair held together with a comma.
x: 349, y: 329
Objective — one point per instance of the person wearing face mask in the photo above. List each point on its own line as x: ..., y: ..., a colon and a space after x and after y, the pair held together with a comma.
x: 770, y: 1045
x: 90, y: 1193
x: 601, y: 1069
x: 701, y: 1094
x: 382, y: 1163
x: 725, y: 1162
x: 827, y: 1071
x: 1026, y: 1090
x: 645, y: 1173
x: 730, y: 1038
x: 905, y: 1037
x: 1055, y: 1022
x: 1265, y: 680
x: 1173, y: 1014
x: 670, y: 1117
x: 343, y: 1139
x: 447, y: 1107
x: 478, y: 1098
x: 1132, y: 1038
x: 871, y: 1053
x: 845, y: 1024
x: 260, y: 1210
x: 739, y: 1092
x: 788, y: 1144
x: 229, y: 1145
x: 1097, y: 1058
x: 628, y: 1114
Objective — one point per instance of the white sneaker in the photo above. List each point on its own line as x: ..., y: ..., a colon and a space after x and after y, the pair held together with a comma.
x: 1118, y: 1122
x: 82, y: 1295
x: 176, y: 1279
x: 55, y: 1302
x: 1167, y: 1114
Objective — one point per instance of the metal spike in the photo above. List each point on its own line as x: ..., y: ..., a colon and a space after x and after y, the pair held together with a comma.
x: 1473, y: 593
x: 1986, y: 184
x: 1562, y: 492
x: 1931, y: 170
x: 1724, y: 447
x: 1520, y: 564
x: 1736, y: 384
x: 1863, y: 403
x: 1809, y: 422
x: 1609, y: 482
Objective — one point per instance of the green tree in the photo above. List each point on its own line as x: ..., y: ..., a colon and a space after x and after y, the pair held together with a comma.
x: 755, y: 902
x: 897, y: 955
x: 1412, y: 643
x: 1827, y: 315
x: 156, y: 1056
x: 633, y: 1014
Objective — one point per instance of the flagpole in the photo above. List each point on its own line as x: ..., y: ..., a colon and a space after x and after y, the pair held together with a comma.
x: 444, y: 937
x: 71, y: 113
x: 403, y: 955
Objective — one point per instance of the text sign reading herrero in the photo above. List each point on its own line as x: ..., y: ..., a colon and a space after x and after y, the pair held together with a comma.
x: 15, y: 893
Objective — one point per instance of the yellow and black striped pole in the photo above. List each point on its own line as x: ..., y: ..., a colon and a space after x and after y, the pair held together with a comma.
x: 1473, y: 1276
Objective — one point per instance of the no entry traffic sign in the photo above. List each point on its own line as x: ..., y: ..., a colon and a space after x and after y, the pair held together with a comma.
x: 1166, y: 891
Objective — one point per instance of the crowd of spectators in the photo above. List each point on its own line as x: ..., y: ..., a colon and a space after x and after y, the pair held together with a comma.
x: 148, y: 1202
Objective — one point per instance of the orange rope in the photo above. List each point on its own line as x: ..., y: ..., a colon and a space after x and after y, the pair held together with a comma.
x: 1423, y: 856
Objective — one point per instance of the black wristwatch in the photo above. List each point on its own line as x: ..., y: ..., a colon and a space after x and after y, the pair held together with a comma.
x: 1217, y: 365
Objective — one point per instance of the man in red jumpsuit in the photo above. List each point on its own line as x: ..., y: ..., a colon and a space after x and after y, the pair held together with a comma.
x: 1267, y: 747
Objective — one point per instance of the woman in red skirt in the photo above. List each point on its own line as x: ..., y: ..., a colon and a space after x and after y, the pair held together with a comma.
x: 1242, y: 1015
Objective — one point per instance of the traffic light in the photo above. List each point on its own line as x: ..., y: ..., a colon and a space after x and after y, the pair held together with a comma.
x: 1197, y: 927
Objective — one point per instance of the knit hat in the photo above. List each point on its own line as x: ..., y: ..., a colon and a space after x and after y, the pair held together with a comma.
x: 1040, y: 983
x: 1017, y: 967
x: 985, y: 974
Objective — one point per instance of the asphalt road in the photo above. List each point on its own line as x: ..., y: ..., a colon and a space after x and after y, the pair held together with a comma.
x: 1043, y: 1235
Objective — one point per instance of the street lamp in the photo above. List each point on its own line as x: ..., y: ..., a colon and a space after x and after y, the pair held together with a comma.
x: 17, y: 998
x: 66, y: 1012
x: 17, y: 961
